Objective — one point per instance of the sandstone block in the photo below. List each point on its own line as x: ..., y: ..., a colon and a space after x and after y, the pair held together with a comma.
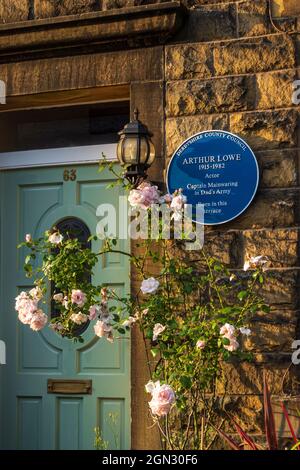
x: 278, y: 168
x: 275, y: 90
x: 196, y: 3
x: 11, y: 12
x: 271, y: 337
x: 114, y: 4
x: 210, y: 23
x: 247, y: 379
x: 248, y: 411
x: 45, y: 8
x: 254, y: 55
x: 268, y: 209
x: 179, y: 129
x: 266, y: 130
x: 50, y: 8
x: 281, y: 288
x: 278, y: 316
x: 211, y: 96
x: 253, y: 18
x: 188, y: 61
x: 280, y: 246
x: 226, y: 246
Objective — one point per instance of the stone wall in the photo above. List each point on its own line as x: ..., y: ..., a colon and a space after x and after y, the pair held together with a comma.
x: 231, y: 67
x: 234, y: 70
x: 22, y: 10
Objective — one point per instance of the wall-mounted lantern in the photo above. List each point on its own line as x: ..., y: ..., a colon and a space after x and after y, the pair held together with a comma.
x: 135, y: 150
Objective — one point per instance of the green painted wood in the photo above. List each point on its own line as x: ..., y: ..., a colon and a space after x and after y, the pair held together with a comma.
x: 32, y: 201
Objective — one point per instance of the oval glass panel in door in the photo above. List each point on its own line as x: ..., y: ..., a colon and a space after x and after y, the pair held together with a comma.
x: 72, y: 227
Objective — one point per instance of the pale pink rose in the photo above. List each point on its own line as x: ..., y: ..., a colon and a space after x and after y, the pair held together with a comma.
x: 158, y: 330
x: 26, y: 305
x: 25, y: 317
x: 177, y: 216
x: 245, y: 331
x: 78, y: 297
x: 66, y: 302
x: 36, y: 293
x: 149, y: 286
x: 159, y: 408
x: 168, y: 198
x: 164, y: 393
x: 135, y: 198
x: 28, y: 238
x: 200, y: 344
x: 145, y: 312
x: 129, y: 322
x: 21, y: 300
x: 233, y: 346
x: 163, y: 397
x: 59, y: 298
x: 255, y: 262
x: 102, y: 328
x: 38, y: 321
x: 56, y: 326
x: 144, y: 196
x: 150, y: 194
x: 79, y: 318
x: 228, y: 331
x: 94, y: 312
x: 56, y: 238
x: 246, y: 265
x: 178, y: 202
x: 150, y: 386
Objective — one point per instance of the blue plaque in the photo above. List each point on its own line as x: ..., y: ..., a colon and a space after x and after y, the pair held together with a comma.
x: 217, y: 169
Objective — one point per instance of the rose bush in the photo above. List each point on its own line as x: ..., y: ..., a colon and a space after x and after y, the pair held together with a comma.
x: 193, y: 314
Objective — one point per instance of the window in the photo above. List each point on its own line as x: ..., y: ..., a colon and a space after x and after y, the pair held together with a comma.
x: 72, y: 227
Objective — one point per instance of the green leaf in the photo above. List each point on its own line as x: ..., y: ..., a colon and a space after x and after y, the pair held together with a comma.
x: 225, y: 341
x: 242, y: 295
x: 154, y: 352
x: 227, y: 310
x: 185, y: 381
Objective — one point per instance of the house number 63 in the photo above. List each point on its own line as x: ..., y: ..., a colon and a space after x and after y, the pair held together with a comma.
x: 70, y: 175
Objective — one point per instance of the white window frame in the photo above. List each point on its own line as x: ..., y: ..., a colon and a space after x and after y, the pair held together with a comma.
x: 57, y: 156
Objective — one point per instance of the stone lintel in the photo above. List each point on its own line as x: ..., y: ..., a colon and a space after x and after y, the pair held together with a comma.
x: 105, y: 31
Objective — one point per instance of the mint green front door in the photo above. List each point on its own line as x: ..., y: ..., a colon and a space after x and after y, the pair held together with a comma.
x: 33, y: 200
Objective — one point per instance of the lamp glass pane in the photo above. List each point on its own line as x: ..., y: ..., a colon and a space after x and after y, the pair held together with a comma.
x: 144, y: 150
x: 151, y: 153
x: 130, y: 150
x: 119, y: 150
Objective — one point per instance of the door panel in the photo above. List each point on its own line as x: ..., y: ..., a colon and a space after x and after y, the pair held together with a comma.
x: 34, y: 200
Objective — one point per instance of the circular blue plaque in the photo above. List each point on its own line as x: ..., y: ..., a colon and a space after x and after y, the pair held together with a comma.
x: 217, y: 169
